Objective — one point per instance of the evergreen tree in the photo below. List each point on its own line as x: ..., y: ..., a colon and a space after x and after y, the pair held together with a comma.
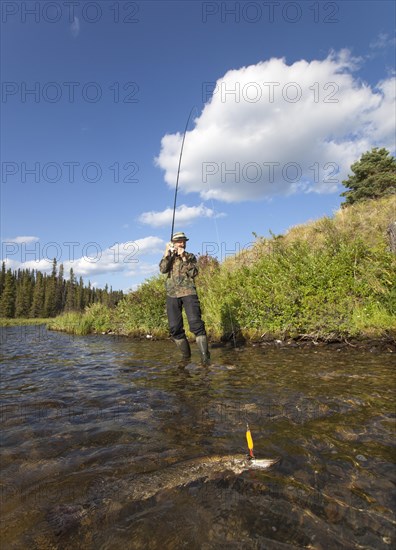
x: 105, y: 295
x: 2, y: 278
x: 80, y: 303
x: 70, y: 304
x: 374, y: 176
x: 60, y: 295
x: 24, y: 292
x: 7, y: 302
x: 50, y: 293
x: 37, y: 307
x: 88, y: 294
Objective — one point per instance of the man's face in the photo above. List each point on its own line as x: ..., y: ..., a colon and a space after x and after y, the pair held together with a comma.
x: 180, y: 244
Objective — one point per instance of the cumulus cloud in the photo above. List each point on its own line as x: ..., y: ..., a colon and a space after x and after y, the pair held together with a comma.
x: 277, y: 129
x: 184, y: 215
x: 89, y: 259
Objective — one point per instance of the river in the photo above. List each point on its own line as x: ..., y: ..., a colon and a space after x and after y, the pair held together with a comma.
x: 83, y: 418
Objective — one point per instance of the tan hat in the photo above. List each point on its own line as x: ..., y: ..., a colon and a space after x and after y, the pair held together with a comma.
x: 179, y: 237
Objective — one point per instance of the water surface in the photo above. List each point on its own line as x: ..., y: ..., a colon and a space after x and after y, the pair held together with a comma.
x: 82, y: 417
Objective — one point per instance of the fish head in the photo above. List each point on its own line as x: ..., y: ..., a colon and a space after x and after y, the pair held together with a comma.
x: 261, y: 463
x: 239, y: 463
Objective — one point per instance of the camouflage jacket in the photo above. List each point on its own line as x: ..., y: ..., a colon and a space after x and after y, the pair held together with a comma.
x: 181, y: 273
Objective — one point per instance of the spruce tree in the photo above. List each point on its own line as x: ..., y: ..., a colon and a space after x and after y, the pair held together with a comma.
x: 37, y: 307
x: 70, y: 304
x: 80, y: 303
x: 374, y: 175
x: 23, y: 295
x: 50, y: 293
x: 88, y: 294
x: 60, y: 292
x: 2, y: 277
x: 7, y: 301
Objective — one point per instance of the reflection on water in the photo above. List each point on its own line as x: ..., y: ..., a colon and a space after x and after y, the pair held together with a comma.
x: 85, y: 417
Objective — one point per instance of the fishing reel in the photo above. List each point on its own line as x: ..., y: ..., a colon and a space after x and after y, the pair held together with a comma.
x: 171, y: 248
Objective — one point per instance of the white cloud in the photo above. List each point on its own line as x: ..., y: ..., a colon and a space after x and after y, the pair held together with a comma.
x: 144, y: 268
x: 22, y: 240
x: 184, y: 215
x: 382, y: 42
x: 121, y: 257
x: 128, y: 257
x: 274, y: 128
x: 75, y: 27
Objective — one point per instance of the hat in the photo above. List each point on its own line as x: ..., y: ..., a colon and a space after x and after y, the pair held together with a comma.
x: 179, y: 237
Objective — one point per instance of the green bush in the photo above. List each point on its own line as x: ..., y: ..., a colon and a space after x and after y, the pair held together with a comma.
x: 143, y: 311
x: 99, y: 317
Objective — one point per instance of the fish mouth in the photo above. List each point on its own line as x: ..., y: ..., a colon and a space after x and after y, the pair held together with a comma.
x: 261, y: 463
x: 238, y: 464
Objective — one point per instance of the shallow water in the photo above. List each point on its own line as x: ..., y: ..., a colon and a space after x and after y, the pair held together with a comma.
x: 83, y: 417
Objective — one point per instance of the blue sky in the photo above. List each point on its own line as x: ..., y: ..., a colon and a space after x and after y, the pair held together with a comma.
x: 96, y: 95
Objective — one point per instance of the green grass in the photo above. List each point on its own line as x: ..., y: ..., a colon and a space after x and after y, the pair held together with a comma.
x: 5, y: 322
x: 332, y: 278
x: 97, y: 318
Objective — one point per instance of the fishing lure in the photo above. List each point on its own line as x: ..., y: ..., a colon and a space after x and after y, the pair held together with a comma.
x: 249, y: 440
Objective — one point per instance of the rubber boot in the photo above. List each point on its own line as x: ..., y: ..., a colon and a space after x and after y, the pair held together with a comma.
x: 202, y: 343
x: 184, y: 347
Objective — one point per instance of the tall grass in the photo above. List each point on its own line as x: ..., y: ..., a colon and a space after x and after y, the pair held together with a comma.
x: 96, y: 318
x: 7, y: 322
x: 71, y: 322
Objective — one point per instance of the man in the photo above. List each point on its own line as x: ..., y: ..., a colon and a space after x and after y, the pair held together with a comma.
x: 181, y: 267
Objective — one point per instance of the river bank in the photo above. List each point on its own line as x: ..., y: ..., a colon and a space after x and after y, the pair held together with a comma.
x: 5, y: 322
x: 369, y: 343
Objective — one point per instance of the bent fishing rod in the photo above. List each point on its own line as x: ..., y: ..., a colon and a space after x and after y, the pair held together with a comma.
x: 178, y: 172
x: 171, y: 237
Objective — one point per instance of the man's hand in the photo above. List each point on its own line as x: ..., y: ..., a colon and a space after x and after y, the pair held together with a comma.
x: 180, y: 251
x: 169, y: 249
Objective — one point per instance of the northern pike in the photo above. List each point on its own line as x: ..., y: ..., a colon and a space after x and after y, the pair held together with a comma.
x: 110, y: 500
x: 144, y: 486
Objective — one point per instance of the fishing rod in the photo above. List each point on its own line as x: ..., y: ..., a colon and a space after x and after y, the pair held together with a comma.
x: 178, y: 172
x: 174, y: 213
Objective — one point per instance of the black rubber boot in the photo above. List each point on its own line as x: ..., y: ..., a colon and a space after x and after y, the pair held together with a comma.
x: 184, y: 347
x: 202, y: 343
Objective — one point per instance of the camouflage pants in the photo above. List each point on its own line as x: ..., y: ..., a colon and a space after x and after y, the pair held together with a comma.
x: 174, y: 307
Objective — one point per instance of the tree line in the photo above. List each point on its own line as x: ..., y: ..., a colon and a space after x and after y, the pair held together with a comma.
x: 31, y: 294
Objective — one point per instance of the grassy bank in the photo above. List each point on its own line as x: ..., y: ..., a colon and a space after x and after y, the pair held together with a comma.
x: 22, y: 321
x: 328, y: 279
